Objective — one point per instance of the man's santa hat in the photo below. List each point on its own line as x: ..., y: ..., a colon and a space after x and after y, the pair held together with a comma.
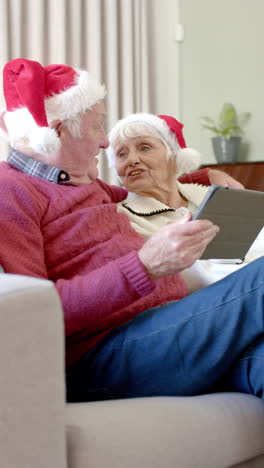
x: 168, y: 129
x: 36, y: 95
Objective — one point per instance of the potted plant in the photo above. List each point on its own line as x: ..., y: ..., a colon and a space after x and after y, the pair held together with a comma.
x: 228, y: 130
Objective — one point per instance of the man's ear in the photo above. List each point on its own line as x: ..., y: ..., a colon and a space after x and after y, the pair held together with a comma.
x: 3, y: 129
x: 56, y: 125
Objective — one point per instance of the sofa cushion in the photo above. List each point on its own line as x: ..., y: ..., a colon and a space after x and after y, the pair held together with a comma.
x: 218, y: 430
x: 32, y: 392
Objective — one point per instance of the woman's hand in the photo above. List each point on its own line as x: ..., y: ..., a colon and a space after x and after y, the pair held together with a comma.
x: 221, y: 178
x: 176, y: 246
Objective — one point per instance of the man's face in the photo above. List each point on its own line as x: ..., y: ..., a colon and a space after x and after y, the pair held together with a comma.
x: 92, y: 138
x: 92, y: 134
x: 79, y: 153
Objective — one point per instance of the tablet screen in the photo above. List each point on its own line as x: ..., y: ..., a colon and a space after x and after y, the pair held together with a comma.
x: 239, y: 214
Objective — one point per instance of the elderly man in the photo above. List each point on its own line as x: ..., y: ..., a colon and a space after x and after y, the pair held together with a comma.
x: 130, y: 330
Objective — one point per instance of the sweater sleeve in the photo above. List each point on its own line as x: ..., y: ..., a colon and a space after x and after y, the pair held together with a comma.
x: 197, y: 177
x: 89, y: 301
x: 93, y: 301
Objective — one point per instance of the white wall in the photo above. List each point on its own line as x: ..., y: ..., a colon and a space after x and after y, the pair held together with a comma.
x: 222, y: 60
x: 166, y: 55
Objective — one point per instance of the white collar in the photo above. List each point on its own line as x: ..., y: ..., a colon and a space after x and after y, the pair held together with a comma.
x: 194, y: 193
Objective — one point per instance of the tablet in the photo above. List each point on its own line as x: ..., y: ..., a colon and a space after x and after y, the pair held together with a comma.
x: 239, y: 214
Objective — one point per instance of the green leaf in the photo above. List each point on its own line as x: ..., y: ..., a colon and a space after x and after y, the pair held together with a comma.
x: 207, y: 120
x: 228, y: 114
x: 212, y: 128
x: 229, y: 122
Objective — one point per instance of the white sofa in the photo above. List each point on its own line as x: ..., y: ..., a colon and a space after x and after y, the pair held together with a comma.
x: 37, y: 429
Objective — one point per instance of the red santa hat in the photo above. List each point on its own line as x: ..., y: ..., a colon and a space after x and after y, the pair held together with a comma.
x: 169, y: 129
x: 37, y: 95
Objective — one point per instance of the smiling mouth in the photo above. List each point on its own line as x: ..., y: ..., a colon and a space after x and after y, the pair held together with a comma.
x: 135, y: 173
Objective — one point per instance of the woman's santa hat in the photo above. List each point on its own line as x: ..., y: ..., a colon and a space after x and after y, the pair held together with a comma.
x: 36, y: 95
x: 169, y: 129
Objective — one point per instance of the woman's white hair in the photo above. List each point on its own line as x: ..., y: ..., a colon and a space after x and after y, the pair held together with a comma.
x: 145, y: 124
x: 133, y: 130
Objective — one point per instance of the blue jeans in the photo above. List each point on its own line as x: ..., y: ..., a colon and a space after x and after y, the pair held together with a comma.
x: 209, y: 341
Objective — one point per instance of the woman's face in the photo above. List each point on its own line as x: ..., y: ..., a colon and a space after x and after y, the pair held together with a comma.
x: 142, y: 164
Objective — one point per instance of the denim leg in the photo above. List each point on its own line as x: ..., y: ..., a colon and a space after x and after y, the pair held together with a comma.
x: 182, y: 348
x: 246, y: 373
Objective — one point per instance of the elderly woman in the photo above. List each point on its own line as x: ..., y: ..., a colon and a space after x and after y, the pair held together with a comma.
x: 149, y: 154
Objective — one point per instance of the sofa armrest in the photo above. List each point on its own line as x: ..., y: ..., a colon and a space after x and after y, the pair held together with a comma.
x: 32, y: 394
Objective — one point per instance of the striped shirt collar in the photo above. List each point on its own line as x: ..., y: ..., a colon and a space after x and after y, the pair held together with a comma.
x: 37, y: 169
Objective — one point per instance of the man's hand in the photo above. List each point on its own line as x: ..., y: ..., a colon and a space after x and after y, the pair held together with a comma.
x: 221, y: 178
x: 176, y: 246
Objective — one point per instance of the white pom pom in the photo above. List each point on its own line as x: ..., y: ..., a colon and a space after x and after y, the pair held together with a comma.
x: 187, y: 160
x: 44, y: 140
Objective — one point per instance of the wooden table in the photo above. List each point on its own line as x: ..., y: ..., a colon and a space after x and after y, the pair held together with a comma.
x: 250, y: 174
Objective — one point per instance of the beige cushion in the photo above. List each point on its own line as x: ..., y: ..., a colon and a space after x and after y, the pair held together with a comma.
x: 32, y: 410
x: 212, y: 431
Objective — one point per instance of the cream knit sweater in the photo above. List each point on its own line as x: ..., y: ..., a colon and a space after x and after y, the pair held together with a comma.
x: 147, y: 215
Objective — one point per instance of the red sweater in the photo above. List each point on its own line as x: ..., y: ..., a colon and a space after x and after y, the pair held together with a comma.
x: 74, y: 236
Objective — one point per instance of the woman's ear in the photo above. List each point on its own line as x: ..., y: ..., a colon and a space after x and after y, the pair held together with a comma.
x: 172, y: 164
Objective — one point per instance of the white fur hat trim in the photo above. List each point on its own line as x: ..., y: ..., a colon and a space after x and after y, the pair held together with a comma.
x: 187, y: 160
x: 66, y: 105
x: 44, y: 140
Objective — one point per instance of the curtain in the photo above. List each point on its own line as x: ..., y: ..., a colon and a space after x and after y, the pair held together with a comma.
x: 110, y: 38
